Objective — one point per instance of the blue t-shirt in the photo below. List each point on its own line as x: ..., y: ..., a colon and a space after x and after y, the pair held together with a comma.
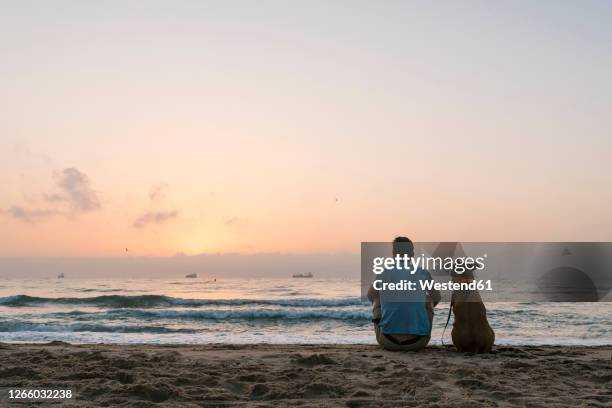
x: 405, y: 312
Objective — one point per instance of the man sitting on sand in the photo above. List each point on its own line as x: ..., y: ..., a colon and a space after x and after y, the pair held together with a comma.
x: 403, y: 321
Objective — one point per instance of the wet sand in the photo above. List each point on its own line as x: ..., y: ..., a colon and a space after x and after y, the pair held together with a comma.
x: 320, y: 376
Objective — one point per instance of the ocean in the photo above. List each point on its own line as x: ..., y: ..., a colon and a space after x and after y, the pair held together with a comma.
x: 239, y: 311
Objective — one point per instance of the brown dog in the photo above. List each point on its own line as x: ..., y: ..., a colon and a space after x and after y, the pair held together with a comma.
x: 471, y: 330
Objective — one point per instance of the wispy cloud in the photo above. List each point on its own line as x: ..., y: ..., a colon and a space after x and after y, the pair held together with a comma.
x: 74, y: 188
x: 157, y: 193
x: 237, y: 222
x: 154, y: 217
x: 30, y: 215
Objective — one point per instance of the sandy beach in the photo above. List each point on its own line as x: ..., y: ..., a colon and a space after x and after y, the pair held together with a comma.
x: 321, y: 376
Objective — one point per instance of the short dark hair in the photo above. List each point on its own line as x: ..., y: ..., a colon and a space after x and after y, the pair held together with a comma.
x: 403, y: 245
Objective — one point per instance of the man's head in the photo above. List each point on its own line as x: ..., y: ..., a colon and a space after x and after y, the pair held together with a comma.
x: 403, y: 246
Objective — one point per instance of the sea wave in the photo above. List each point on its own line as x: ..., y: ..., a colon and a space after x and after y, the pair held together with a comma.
x: 251, y: 314
x: 21, y: 326
x: 154, y: 301
x: 291, y: 315
x: 91, y: 290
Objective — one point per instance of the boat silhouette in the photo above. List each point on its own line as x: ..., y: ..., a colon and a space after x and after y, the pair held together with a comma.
x: 303, y: 275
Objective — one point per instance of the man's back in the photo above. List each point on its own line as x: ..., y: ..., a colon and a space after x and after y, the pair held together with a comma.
x: 405, y: 311
x: 402, y: 318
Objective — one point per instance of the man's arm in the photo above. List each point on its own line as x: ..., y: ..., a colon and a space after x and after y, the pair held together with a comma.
x: 374, y: 298
x: 434, y: 294
x: 373, y: 295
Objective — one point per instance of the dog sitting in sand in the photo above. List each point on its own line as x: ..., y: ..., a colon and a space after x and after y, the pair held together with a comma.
x: 471, y: 330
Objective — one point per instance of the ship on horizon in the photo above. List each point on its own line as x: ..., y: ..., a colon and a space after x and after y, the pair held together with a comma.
x: 191, y: 275
x: 303, y: 275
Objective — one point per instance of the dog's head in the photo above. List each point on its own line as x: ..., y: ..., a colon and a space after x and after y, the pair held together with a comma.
x: 466, y: 276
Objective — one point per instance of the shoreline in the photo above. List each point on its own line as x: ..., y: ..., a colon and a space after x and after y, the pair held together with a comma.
x: 137, y: 375
x: 433, y: 344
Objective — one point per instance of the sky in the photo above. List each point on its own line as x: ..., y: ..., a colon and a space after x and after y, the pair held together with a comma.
x: 199, y: 127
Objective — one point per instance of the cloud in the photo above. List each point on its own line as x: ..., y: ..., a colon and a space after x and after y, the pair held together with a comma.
x: 237, y: 222
x: 154, y: 217
x: 31, y: 215
x: 74, y: 189
x: 157, y: 193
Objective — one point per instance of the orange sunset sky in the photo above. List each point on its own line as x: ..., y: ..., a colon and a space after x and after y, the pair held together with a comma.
x: 301, y: 127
